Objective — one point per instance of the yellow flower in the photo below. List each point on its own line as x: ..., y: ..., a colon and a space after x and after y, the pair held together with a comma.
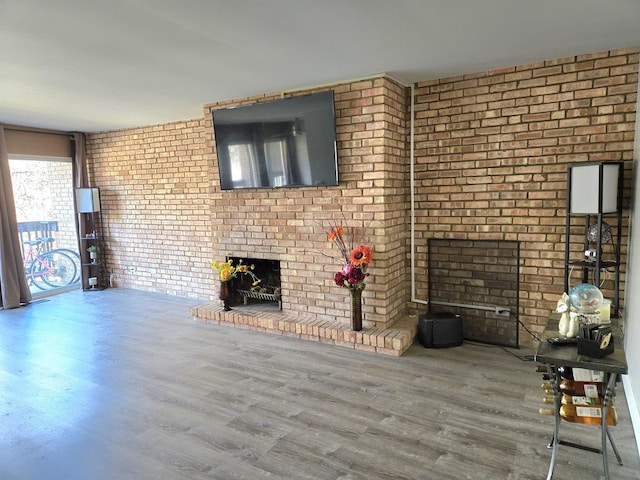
x: 226, y: 270
x: 227, y: 273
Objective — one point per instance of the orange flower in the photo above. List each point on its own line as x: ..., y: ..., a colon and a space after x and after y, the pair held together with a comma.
x: 361, y: 256
x: 336, y: 233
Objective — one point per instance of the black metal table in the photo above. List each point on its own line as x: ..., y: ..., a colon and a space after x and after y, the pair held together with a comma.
x: 567, y: 356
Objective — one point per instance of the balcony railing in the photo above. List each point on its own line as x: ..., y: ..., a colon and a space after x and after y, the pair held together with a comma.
x: 29, y: 231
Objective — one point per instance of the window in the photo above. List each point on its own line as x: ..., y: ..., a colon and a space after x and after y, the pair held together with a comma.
x: 244, y: 164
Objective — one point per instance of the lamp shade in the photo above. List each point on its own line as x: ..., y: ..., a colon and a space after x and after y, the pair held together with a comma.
x: 593, y: 188
x: 88, y: 200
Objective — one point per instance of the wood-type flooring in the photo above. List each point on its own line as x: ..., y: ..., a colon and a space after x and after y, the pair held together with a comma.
x: 122, y: 384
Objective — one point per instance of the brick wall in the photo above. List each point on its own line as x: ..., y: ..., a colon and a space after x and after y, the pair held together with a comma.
x: 60, y: 183
x: 287, y: 224
x: 156, y: 194
x: 492, y: 151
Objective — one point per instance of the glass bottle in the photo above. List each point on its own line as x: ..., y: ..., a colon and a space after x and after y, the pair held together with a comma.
x: 588, y: 389
x: 582, y: 400
x: 582, y: 414
x: 576, y: 400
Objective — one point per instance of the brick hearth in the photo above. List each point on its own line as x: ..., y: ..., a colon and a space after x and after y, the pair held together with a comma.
x: 392, y: 341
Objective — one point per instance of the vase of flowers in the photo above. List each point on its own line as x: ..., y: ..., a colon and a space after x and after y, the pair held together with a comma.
x: 226, y: 272
x: 353, y: 275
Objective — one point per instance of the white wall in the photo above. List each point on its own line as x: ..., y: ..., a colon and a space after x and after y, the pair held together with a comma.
x: 632, y: 300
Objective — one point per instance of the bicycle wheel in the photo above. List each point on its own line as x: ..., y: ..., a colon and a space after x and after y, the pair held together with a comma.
x: 34, y: 273
x: 56, y: 269
x: 76, y: 259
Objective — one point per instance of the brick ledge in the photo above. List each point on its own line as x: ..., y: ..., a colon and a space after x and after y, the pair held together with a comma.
x: 392, y: 341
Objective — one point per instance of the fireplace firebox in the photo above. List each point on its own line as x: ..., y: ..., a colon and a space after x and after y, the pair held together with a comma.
x: 267, y: 293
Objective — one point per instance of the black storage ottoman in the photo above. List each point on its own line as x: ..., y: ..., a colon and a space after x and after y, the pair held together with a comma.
x: 440, y: 330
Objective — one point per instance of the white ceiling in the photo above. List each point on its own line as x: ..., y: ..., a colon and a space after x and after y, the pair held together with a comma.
x: 95, y: 65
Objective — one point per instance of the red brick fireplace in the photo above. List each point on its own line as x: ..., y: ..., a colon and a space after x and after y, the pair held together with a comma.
x: 287, y: 225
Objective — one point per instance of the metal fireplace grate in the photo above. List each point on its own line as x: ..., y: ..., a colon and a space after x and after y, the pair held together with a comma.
x: 269, y: 297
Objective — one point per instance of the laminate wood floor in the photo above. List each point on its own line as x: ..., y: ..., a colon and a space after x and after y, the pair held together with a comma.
x: 123, y: 384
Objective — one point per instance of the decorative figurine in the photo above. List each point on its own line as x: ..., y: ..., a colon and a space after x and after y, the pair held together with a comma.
x: 569, y: 325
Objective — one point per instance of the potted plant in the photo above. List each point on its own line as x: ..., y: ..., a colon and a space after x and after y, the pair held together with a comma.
x: 93, y: 253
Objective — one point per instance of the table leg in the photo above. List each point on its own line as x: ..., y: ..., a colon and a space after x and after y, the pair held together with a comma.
x: 605, y: 428
x: 555, y: 440
x: 613, y: 446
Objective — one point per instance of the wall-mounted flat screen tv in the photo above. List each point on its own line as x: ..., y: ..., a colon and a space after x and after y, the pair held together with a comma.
x: 289, y: 142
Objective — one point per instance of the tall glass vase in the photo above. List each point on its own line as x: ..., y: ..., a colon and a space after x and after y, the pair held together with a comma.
x: 356, y: 310
x: 225, y: 295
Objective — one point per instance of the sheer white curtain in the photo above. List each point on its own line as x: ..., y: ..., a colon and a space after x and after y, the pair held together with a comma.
x: 13, y: 284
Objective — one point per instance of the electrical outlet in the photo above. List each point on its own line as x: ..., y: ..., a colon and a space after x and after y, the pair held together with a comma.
x: 503, y: 311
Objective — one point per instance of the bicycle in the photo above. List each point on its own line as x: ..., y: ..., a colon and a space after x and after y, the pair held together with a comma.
x: 50, y: 269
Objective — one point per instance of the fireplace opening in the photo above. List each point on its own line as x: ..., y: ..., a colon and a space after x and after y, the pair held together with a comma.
x: 267, y: 294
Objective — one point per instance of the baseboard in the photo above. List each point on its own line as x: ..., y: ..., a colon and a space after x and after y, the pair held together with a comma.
x: 634, y: 409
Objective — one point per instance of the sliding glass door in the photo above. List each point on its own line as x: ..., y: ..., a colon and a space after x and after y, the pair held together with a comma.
x: 43, y: 194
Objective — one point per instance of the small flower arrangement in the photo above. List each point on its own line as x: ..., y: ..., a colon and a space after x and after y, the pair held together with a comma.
x: 356, y: 259
x: 227, y: 271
